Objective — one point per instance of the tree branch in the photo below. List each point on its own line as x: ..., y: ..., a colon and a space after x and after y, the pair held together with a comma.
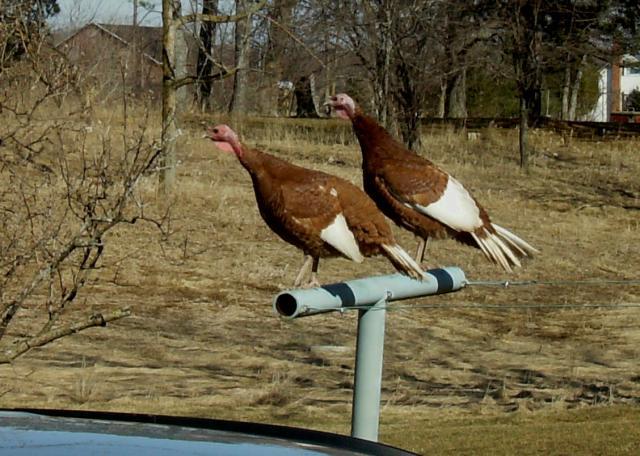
x: 294, y: 38
x: 217, y: 18
x: 96, y: 319
x: 214, y: 77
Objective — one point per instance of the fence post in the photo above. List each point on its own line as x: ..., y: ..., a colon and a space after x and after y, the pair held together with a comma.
x: 368, y: 372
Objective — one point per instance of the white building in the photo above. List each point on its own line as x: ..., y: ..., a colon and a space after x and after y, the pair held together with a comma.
x: 616, y: 82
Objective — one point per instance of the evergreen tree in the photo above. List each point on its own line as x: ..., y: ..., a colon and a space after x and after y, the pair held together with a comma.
x: 632, y: 101
x: 23, y: 22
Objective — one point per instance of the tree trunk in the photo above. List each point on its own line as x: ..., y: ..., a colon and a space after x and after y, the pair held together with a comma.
x: 240, y: 94
x: 383, y: 64
x: 442, y: 100
x: 329, y: 87
x: 135, y: 13
x: 565, y: 91
x: 304, y: 98
x: 329, y: 71
x: 315, y: 96
x: 204, y: 65
x: 456, y: 95
x: 180, y: 69
x: 526, y: 57
x: 408, y: 107
x: 410, y: 129
x: 275, y: 68
x: 522, y: 137
x: 137, y: 54
x: 170, y: 10
x: 534, y: 104
x: 575, y: 90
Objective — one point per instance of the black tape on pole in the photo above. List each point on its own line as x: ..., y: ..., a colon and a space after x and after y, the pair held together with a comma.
x: 445, y: 281
x: 342, y: 291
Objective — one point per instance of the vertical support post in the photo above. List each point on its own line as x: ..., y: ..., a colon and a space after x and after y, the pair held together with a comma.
x: 368, y: 372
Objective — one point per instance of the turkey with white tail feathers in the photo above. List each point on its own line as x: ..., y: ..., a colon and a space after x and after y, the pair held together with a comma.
x: 321, y: 214
x: 419, y: 196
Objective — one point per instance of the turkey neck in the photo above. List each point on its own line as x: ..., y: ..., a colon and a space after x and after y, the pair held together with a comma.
x: 267, y: 175
x: 375, y: 141
x: 249, y: 158
x: 259, y: 164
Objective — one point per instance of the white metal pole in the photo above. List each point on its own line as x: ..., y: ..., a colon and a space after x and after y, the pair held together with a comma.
x: 368, y: 372
x: 366, y: 292
x: 370, y: 296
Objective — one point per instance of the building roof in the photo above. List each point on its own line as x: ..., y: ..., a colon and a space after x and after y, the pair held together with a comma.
x: 629, y: 59
x: 150, y: 38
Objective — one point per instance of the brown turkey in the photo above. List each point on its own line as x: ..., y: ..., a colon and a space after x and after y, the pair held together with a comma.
x: 419, y: 196
x: 322, y: 215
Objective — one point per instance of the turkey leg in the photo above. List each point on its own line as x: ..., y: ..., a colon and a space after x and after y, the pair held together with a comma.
x: 422, y: 248
x: 303, y: 270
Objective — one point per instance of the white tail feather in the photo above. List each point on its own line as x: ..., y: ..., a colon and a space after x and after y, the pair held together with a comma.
x: 496, y: 252
x: 481, y: 245
x: 503, y: 247
x: 403, y: 261
x: 513, y: 239
x: 511, y: 243
x: 507, y: 250
x: 493, y: 250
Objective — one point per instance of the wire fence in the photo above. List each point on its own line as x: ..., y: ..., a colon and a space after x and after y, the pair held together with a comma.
x: 470, y: 305
x: 516, y: 283
x: 520, y: 283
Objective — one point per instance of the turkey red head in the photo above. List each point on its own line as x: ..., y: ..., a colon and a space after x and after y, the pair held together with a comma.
x: 223, y: 137
x: 343, y: 105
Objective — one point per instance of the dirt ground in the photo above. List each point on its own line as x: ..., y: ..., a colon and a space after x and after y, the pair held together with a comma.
x: 203, y: 339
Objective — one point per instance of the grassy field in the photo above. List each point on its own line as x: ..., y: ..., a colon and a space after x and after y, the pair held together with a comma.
x: 482, y: 374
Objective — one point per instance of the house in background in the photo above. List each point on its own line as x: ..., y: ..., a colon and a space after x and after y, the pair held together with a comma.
x: 616, y: 81
x: 110, y: 56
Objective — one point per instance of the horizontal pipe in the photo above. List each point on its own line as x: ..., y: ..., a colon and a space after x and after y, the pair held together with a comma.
x: 366, y: 292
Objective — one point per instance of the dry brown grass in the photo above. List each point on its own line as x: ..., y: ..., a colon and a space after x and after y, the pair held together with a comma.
x: 204, y: 341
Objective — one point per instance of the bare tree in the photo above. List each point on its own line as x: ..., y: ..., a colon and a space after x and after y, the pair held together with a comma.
x: 370, y: 35
x: 522, y: 44
x: 173, y: 78
x: 170, y: 13
x: 541, y: 37
x: 304, y: 97
x: 411, y: 51
x: 204, y: 66
x: 63, y: 188
x: 277, y: 55
x: 460, y: 28
x: 570, y: 37
x: 242, y: 48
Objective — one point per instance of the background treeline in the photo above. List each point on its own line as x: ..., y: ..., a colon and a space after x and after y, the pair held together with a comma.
x: 407, y: 59
x: 400, y: 59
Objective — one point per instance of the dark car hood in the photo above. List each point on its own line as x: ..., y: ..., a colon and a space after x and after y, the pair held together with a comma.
x: 69, y: 433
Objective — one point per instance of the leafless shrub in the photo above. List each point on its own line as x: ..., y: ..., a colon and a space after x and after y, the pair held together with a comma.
x: 64, y: 184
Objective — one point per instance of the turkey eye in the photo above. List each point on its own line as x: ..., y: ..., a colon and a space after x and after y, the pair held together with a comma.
x: 215, y: 130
